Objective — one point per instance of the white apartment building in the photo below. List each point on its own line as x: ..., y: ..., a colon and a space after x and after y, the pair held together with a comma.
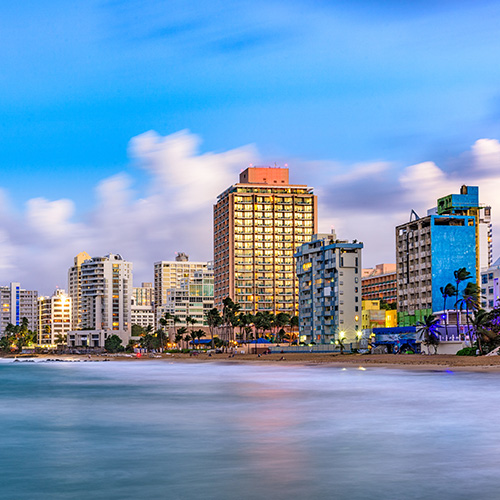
x: 106, y: 287
x: 170, y: 275
x: 141, y: 315
x: 54, y: 317
x: 75, y: 289
x: 194, y: 297
x: 329, y: 273
x: 490, y: 286
x: 17, y: 304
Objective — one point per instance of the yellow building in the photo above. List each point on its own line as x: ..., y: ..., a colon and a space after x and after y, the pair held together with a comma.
x: 374, y: 317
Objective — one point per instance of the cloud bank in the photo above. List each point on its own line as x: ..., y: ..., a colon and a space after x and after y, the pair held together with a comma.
x: 173, y: 212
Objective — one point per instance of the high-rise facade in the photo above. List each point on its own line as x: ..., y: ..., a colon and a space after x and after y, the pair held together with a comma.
x: 75, y: 289
x: 54, y: 317
x: 329, y: 273
x: 18, y: 303
x: 106, y: 289
x: 258, y: 224
x: 172, y: 274
x: 106, y: 293
x: 467, y: 203
x: 194, y: 297
x: 428, y: 251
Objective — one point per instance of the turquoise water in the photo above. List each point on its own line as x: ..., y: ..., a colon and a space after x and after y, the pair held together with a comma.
x: 156, y: 430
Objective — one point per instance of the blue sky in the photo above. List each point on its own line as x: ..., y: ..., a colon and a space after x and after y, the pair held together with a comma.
x: 326, y: 87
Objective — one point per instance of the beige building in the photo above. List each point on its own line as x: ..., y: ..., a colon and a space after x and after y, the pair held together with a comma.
x: 143, y: 295
x: 171, y: 274
x: 54, y: 317
x: 258, y: 224
x: 75, y: 289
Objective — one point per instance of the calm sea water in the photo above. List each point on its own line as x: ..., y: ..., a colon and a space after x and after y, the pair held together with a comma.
x: 155, y: 430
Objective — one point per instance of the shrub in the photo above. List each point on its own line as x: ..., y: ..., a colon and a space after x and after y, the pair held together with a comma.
x: 467, y: 351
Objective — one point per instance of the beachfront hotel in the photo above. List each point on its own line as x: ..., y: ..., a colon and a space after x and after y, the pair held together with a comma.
x: 329, y: 274
x: 428, y: 251
x: 105, y: 302
x: 259, y: 223
x: 54, y: 317
x: 172, y: 281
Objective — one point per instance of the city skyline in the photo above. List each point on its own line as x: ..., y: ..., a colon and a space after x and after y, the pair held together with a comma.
x: 381, y: 108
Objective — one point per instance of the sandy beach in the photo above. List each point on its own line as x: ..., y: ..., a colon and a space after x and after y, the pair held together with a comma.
x: 417, y: 361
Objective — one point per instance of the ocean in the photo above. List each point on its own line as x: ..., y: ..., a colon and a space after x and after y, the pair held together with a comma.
x: 159, y: 430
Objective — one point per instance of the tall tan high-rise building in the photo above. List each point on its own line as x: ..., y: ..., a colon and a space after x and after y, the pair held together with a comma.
x: 258, y: 224
x: 75, y: 289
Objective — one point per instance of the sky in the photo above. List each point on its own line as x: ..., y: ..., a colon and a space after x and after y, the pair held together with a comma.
x: 122, y: 120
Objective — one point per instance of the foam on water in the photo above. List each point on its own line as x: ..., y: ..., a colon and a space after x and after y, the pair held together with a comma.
x: 155, y: 430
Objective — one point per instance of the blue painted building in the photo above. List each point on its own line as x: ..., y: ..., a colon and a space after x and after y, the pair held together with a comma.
x: 428, y: 251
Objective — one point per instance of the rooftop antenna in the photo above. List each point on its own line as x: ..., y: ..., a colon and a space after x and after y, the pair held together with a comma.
x: 413, y: 215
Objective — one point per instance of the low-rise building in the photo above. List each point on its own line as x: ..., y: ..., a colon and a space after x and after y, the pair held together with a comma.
x: 329, y: 274
x: 373, y: 316
x: 380, y: 283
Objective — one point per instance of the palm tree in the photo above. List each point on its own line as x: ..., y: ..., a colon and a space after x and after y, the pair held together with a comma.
x: 61, y: 339
x: 214, y: 320
x: 470, y: 300
x: 191, y: 321
x: 294, y: 324
x: 282, y: 320
x: 181, y: 332
x: 229, y: 312
x: 481, y: 328
x: 460, y: 274
x: 199, y: 334
x: 426, y: 330
x: 188, y: 338
x: 165, y: 321
x: 448, y: 291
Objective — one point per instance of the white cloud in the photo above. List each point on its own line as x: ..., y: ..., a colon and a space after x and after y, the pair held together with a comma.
x: 174, y: 213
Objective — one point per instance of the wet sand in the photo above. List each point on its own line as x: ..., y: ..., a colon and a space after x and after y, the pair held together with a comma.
x: 399, y: 361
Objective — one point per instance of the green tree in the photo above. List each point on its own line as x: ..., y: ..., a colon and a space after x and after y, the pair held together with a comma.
x: 137, y: 330
x: 461, y: 275
x: 470, y: 301
x: 281, y: 321
x: 447, y: 291
x: 482, y: 329
x: 214, y: 320
x: 113, y: 344
x: 182, y: 332
x: 61, y: 339
x: 426, y: 331
x: 294, y: 328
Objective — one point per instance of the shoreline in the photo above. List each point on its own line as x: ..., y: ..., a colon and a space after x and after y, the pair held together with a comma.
x: 438, y: 362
